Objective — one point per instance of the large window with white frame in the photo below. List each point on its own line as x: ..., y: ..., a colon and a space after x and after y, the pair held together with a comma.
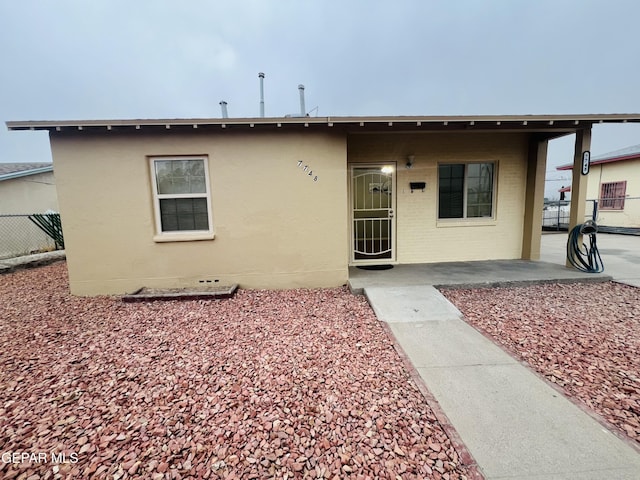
x: 182, y: 197
x: 466, y: 190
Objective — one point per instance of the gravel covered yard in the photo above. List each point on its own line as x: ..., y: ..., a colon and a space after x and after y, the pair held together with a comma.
x: 287, y: 384
x: 585, y: 338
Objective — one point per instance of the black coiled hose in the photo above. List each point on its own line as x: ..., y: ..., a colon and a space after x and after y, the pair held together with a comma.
x: 584, y: 258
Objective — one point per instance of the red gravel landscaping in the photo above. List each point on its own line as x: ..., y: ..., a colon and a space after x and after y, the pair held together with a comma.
x: 585, y: 338
x: 286, y: 384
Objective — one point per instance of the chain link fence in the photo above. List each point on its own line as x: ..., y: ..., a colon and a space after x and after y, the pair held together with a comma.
x: 555, y: 215
x: 27, y: 234
x: 624, y: 218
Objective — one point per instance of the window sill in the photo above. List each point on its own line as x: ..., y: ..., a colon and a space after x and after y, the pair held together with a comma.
x: 466, y: 222
x: 183, y: 237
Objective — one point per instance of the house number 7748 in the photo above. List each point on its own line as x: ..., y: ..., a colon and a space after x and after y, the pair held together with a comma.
x: 307, y: 170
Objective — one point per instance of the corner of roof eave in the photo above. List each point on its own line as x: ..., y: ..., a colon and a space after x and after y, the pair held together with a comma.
x: 26, y: 173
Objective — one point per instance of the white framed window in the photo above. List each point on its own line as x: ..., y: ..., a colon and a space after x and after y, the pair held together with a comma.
x: 466, y: 190
x: 181, y: 198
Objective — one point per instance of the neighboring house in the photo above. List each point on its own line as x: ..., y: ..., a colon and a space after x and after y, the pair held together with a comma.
x: 294, y: 202
x: 614, y: 182
x: 25, y: 188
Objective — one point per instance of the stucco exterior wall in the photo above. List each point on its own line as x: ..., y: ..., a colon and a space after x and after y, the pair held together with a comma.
x: 28, y: 194
x: 275, y: 227
x: 616, y: 172
x: 421, y: 237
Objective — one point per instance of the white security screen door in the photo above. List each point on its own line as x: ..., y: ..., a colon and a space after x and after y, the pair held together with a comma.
x: 372, y: 213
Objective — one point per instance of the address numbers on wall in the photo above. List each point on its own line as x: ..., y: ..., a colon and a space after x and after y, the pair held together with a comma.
x: 307, y: 169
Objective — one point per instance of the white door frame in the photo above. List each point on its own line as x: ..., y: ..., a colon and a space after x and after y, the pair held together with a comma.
x: 391, y: 215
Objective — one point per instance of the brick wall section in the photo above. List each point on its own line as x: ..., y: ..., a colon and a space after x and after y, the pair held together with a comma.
x: 421, y: 238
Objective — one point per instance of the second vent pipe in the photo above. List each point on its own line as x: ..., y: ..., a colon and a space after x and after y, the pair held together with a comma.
x: 261, y: 77
x: 303, y: 111
x: 223, y: 106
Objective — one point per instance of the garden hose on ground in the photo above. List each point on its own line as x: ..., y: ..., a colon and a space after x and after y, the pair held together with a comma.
x: 584, y: 258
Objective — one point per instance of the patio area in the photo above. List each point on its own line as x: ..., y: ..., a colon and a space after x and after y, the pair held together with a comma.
x: 470, y: 274
x: 620, y: 255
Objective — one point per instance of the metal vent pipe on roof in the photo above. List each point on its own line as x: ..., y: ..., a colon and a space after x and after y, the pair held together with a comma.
x: 223, y: 106
x: 261, y: 77
x: 303, y: 110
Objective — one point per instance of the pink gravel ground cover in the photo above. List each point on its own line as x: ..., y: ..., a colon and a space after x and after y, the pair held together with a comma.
x: 585, y: 338
x: 288, y: 384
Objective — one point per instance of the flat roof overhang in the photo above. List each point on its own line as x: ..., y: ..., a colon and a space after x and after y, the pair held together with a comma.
x: 602, y: 161
x: 548, y: 125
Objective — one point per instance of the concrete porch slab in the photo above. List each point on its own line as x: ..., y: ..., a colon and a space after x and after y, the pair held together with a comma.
x: 488, y: 273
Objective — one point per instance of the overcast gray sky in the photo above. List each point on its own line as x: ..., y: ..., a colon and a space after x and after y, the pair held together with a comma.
x: 103, y: 59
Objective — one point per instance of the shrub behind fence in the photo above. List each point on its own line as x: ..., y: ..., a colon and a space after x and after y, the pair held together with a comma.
x: 21, y: 236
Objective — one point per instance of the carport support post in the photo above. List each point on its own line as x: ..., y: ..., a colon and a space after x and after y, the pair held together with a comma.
x: 579, y: 181
x: 534, y: 198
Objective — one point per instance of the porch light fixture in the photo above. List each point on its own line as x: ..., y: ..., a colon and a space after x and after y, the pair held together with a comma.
x: 387, y: 169
x: 410, y: 160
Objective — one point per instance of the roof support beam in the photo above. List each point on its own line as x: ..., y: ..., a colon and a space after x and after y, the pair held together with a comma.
x: 534, y: 197
x: 579, y: 181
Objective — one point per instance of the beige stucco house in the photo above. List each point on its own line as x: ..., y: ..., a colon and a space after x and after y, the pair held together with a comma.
x: 614, y: 183
x: 294, y: 202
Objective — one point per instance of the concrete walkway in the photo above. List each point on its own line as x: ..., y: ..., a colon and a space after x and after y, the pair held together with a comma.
x: 512, y: 422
